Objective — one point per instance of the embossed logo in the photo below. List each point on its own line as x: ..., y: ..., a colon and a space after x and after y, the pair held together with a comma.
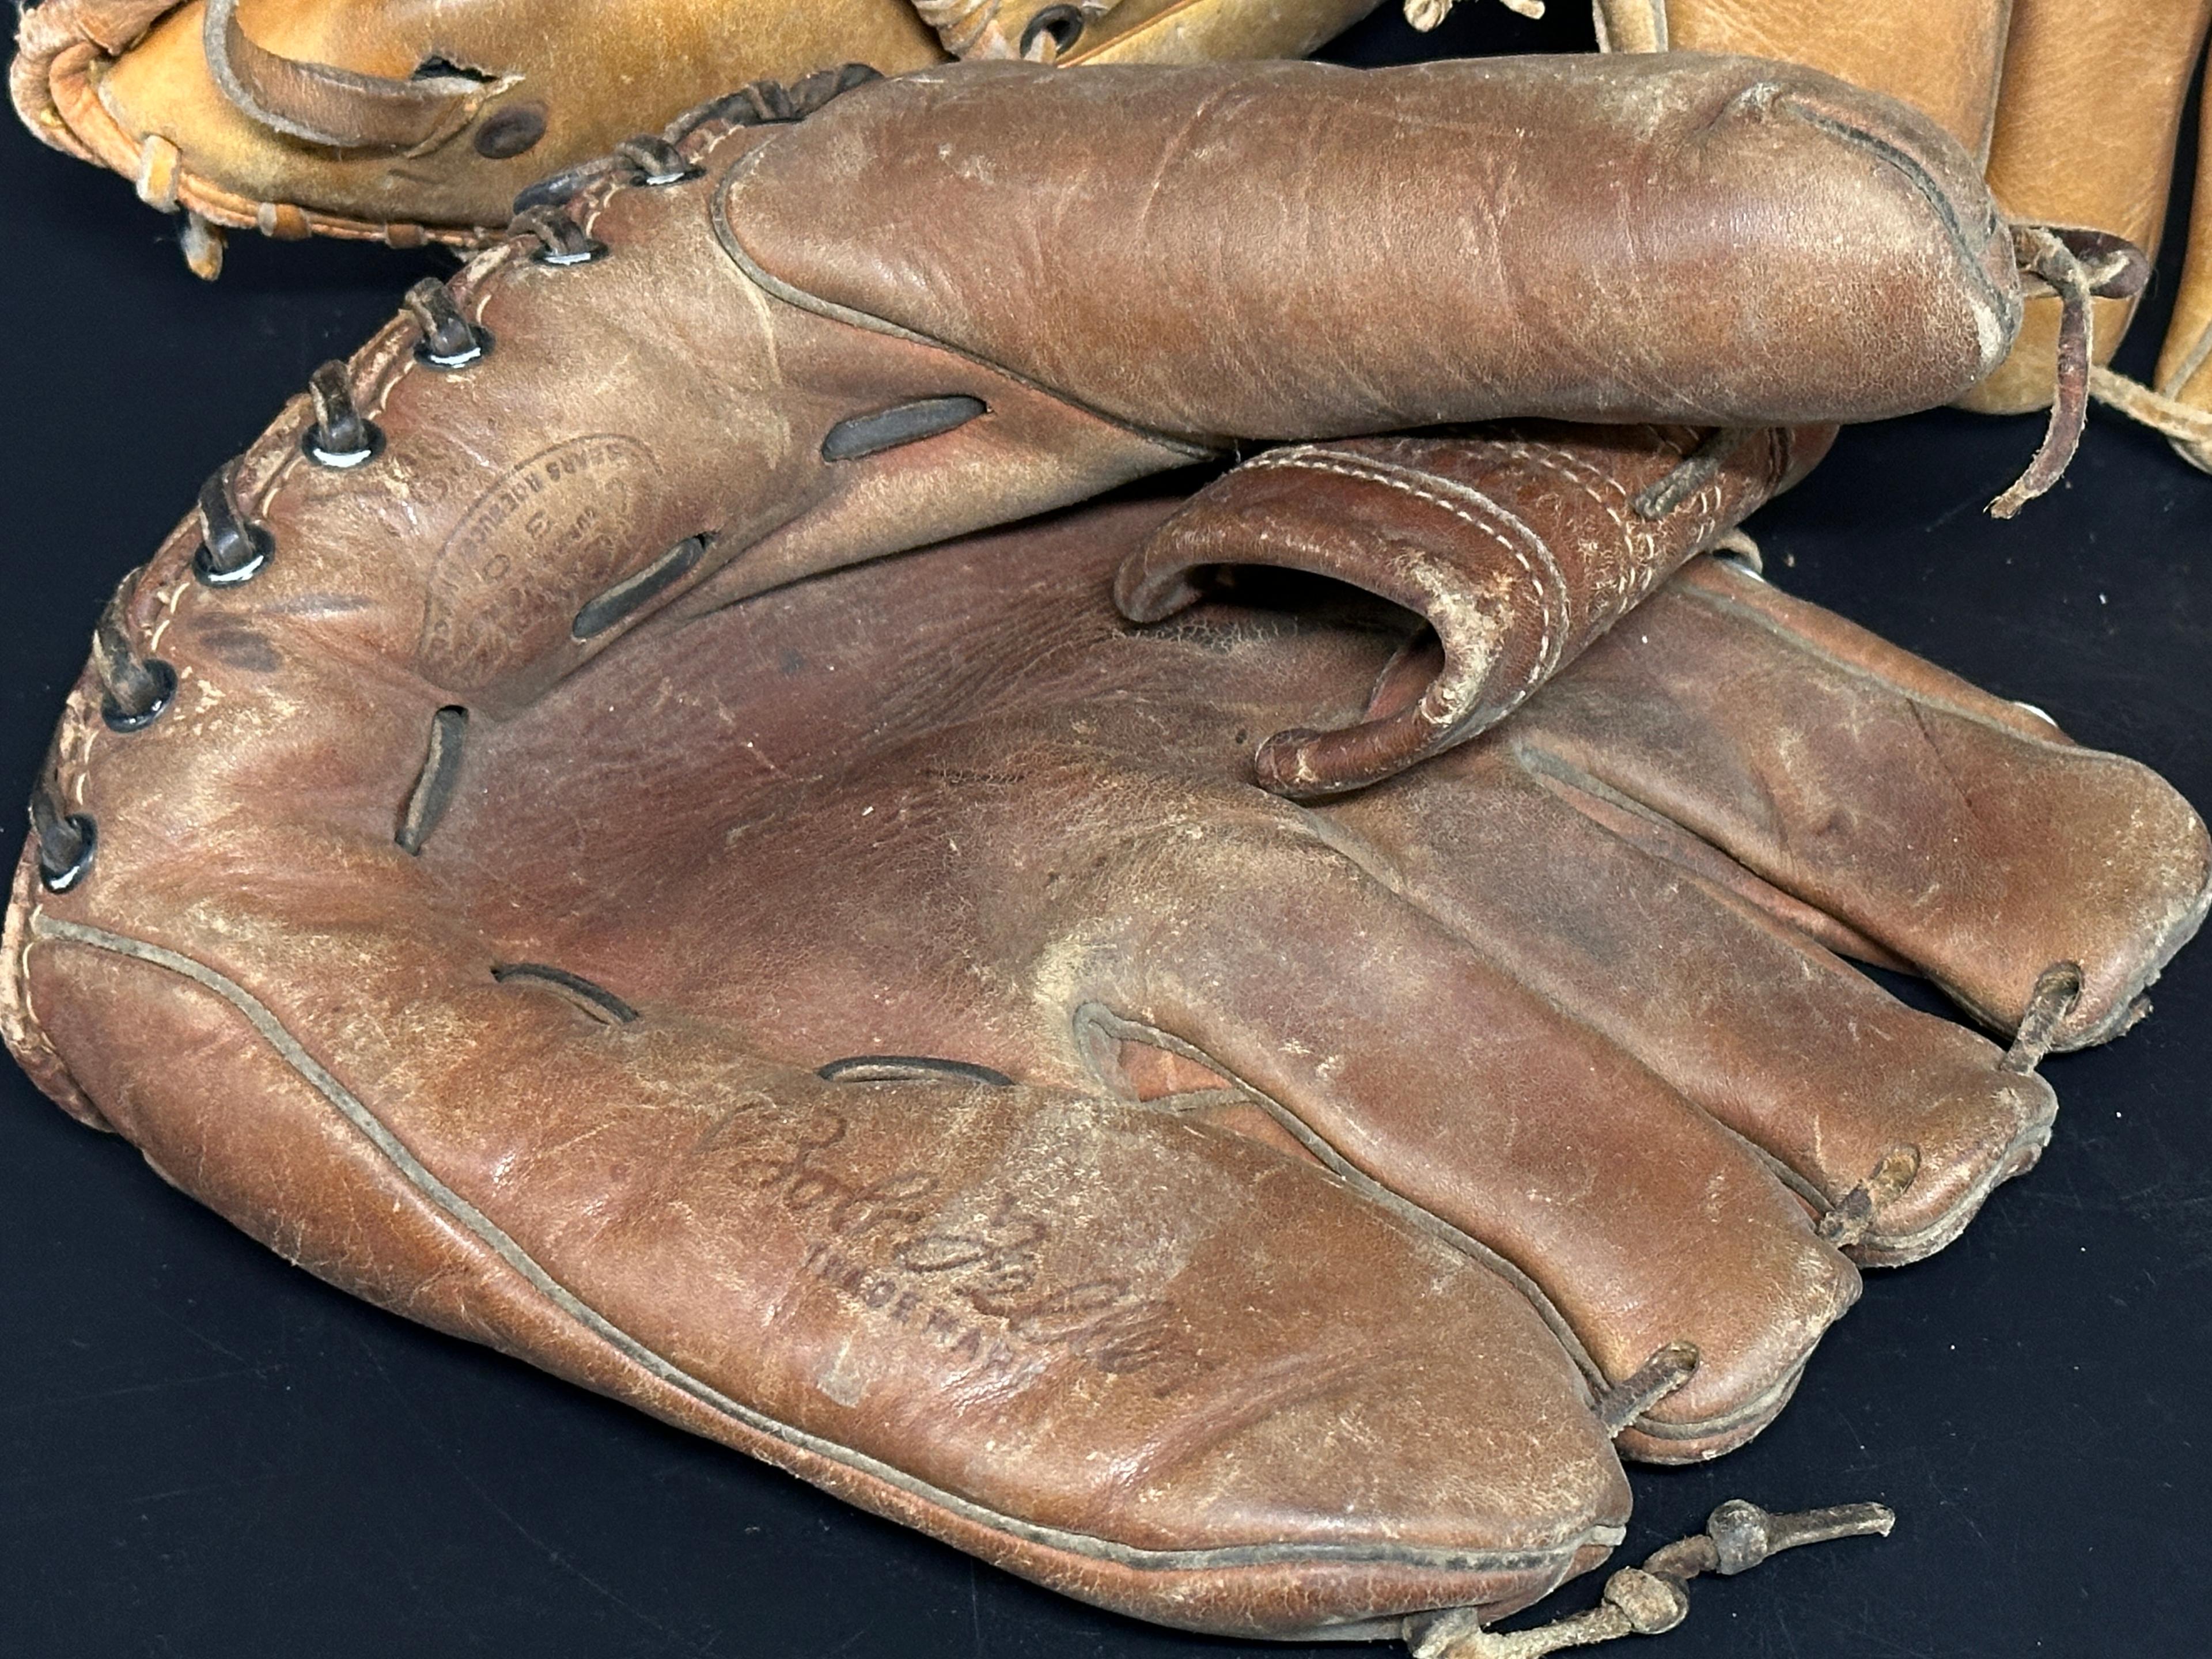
x: 557, y: 529
x: 979, y: 1290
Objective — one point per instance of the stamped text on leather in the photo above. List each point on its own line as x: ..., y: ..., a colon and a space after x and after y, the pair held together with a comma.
x: 553, y: 533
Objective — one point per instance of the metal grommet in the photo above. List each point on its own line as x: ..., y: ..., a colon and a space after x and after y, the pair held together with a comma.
x: 341, y: 436
x: 584, y: 255
x: 342, y: 459
x: 59, y: 877
x: 205, y: 567
x: 449, y: 340
x: 1064, y: 23
x: 480, y: 345
x: 561, y: 241
x: 233, y: 548
x: 119, y: 719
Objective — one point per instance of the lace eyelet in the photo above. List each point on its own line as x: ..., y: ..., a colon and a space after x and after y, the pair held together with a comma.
x: 120, y: 718
x: 66, y: 846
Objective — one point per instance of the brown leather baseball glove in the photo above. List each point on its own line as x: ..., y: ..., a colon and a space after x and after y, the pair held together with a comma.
x: 2075, y: 107
x: 874, y: 1019
x: 406, y: 123
x: 877, y: 1023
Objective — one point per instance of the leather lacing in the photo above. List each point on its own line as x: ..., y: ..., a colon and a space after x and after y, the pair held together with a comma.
x: 1667, y: 1370
x: 911, y: 1068
x: 341, y: 435
x: 561, y: 241
x: 2077, y: 266
x: 449, y: 340
x: 233, y: 548
x: 1692, y: 473
x: 2057, y: 988
x: 1650, y: 1600
x: 658, y: 160
x: 655, y: 161
x: 136, y: 690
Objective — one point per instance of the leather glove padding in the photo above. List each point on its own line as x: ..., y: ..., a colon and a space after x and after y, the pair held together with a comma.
x: 1366, y: 1163
x: 373, y: 118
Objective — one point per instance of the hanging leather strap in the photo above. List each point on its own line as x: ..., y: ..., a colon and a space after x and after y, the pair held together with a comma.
x: 326, y: 105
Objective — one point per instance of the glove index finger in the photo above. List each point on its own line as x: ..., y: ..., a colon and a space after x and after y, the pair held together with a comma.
x: 1962, y: 834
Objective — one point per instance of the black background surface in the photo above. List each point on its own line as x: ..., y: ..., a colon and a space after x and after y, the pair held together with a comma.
x: 204, y: 1451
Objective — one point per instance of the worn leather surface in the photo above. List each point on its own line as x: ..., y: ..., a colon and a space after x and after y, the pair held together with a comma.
x: 1943, y: 59
x: 2183, y: 357
x: 1574, y: 218
x: 1198, y: 257
x: 2087, y: 125
x: 1168, y: 1322
x: 100, y: 77
x: 1086, y: 1334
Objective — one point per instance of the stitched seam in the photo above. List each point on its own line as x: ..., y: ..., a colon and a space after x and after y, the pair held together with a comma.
x: 1610, y: 496
x: 1312, y: 460
x: 23, y: 974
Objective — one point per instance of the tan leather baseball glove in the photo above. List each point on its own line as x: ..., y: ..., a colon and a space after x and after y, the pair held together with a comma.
x: 522, y: 850
x: 408, y: 123
x: 2075, y: 107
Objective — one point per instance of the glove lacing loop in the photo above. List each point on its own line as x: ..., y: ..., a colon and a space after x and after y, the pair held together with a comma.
x: 449, y: 340
x: 66, y: 842
x: 1652, y: 1599
x: 770, y: 103
x: 1854, y: 1215
x: 651, y: 160
x: 1667, y: 1370
x: 341, y: 435
x: 138, y: 689
x: 2057, y: 988
x: 233, y: 548
x: 135, y: 691
x: 654, y: 161
x: 561, y: 241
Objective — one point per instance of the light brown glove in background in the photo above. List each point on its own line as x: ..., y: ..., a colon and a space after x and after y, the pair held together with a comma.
x: 408, y: 123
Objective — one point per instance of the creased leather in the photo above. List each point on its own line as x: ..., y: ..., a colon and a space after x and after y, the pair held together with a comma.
x: 1347, y: 1152
x: 743, y: 317
x: 1347, y: 1148
x: 1517, y: 550
x: 1571, y: 246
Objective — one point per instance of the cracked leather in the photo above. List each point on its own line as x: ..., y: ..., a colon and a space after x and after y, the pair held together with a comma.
x: 1349, y: 1150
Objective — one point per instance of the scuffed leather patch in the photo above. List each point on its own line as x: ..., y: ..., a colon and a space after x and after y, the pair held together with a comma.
x: 550, y: 534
